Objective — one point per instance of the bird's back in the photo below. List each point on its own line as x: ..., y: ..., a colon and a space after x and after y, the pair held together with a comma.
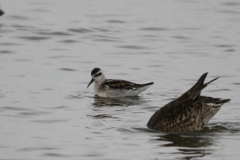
x: 120, y: 88
x: 189, y: 112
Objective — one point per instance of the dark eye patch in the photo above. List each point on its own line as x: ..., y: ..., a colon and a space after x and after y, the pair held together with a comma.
x: 99, y: 74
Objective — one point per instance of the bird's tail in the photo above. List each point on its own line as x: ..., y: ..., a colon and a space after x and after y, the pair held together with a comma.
x: 195, y: 91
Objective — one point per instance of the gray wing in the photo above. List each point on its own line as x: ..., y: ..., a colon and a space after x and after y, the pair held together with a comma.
x: 123, y: 84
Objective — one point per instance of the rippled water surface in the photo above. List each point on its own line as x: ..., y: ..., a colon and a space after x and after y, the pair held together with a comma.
x: 48, y: 49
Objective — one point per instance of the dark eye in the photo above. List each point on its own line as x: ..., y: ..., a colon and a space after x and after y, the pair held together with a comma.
x: 99, y: 74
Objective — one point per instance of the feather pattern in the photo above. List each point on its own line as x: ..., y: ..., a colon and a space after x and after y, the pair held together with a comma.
x: 115, y: 87
x: 123, y: 84
x: 189, y: 112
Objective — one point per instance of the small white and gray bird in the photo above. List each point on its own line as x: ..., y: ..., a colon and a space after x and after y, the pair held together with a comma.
x: 115, y: 87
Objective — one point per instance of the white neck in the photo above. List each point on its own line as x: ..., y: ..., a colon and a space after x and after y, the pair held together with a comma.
x: 100, y: 80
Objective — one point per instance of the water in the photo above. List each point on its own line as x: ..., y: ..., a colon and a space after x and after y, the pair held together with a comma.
x: 48, y: 49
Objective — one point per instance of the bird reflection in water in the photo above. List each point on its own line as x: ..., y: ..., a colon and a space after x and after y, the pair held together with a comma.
x: 111, y: 102
x: 191, y: 145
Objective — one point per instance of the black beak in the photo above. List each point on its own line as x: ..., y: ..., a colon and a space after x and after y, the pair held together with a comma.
x: 90, y: 83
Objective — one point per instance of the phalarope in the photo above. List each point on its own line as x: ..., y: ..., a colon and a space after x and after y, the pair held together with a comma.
x: 114, y: 87
x: 189, y: 112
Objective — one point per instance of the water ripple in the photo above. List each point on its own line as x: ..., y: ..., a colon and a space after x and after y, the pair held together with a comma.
x: 154, y: 29
x: 34, y: 113
x: 69, y: 41
x: 101, y: 29
x: 132, y: 47
x: 10, y: 44
x: 37, y: 148
x: 225, y: 46
x: 6, y: 52
x: 49, y: 121
x: 219, y: 90
x: 61, y: 56
x: 115, y: 21
x: 9, y: 108
x: 55, y: 33
x: 230, y: 50
x: 55, y: 155
x: 34, y: 38
x: 229, y: 12
x: 231, y: 4
x: 18, y: 18
x: 236, y: 83
x: 80, y: 30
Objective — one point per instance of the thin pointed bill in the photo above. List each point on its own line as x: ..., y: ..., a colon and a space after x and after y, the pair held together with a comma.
x: 90, y: 83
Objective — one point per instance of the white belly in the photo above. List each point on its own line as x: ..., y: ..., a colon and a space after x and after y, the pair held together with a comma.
x: 106, y: 92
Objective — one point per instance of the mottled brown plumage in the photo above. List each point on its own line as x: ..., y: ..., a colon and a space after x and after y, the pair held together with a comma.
x: 189, y: 112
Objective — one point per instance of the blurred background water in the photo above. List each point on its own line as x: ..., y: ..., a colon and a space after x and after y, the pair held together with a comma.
x: 48, y: 49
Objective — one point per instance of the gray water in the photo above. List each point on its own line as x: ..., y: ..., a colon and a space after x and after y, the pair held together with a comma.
x: 49, y: 47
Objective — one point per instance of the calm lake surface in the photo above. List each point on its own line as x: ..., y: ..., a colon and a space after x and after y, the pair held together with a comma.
x: 49, y: 47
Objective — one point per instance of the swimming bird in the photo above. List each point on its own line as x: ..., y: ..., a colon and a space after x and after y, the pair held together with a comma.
x: 115, y: 87
x: 1, y: 12
x: 189, y: 112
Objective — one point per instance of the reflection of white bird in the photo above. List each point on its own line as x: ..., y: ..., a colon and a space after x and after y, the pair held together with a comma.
x: 120, y: 101
x: 113, y: 87
x: 189, y: 112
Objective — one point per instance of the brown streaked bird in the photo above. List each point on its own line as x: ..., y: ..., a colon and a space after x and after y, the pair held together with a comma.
x: 115, y: 87
x: 189, y: 112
